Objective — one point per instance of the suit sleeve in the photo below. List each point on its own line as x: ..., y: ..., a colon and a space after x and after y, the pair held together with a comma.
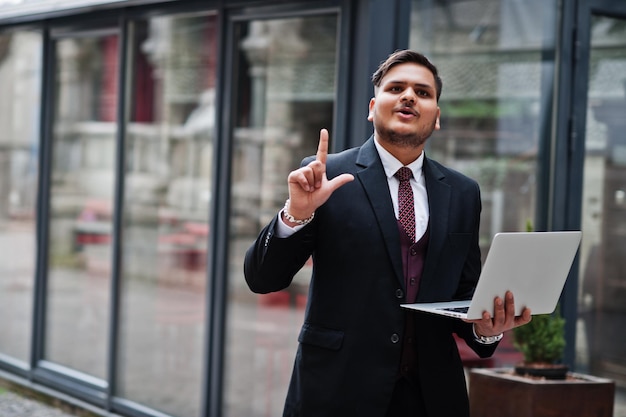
x: 271, y: 262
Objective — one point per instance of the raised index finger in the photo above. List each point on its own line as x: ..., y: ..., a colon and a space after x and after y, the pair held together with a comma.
x: 322, y: 147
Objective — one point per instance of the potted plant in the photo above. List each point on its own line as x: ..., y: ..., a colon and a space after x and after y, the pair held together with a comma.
x: 542, y: 342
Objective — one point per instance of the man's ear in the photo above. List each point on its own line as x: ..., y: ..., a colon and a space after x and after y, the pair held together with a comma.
x: 437, y: 122
x: 370, y: 115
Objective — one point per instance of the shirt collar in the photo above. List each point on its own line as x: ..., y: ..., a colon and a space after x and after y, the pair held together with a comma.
x: 392, y: 165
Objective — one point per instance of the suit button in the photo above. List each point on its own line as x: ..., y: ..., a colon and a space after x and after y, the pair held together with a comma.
x: 395, y: 338
x: 399, y: 293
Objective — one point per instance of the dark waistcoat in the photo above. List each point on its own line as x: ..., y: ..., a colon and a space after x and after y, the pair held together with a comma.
x: 413, y: 256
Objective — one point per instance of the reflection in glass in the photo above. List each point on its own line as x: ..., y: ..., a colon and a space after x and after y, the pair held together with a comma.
x: 495, y: 59
x: 493, y: 110
x: 169, y: 151
x: 20, y: 74
x: 285, y: 73
x: 602, y: 304
x: 81, y: 203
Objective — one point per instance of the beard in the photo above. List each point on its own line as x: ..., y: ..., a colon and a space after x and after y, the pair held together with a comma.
x: 408, y: 140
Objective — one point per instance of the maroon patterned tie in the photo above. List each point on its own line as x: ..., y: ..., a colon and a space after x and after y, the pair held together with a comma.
x: 406, y: 206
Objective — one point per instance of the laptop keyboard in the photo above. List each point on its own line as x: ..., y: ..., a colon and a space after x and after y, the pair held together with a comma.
x: 457, y: 309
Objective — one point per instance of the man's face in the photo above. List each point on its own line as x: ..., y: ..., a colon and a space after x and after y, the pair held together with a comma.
x: 404, y: 109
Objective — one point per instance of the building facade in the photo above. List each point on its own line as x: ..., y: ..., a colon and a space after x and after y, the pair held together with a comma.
x: 144, y: 143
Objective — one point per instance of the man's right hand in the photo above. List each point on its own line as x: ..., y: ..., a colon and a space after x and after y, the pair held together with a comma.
x: 309, y: 187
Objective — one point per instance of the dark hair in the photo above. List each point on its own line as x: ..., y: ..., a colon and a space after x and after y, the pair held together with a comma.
x: 402, y: 57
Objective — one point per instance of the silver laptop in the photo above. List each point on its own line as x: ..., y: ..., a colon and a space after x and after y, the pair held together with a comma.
x: 533, y: 265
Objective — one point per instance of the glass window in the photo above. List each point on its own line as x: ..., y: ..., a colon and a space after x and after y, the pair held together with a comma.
x: 602, y: 304
x: 496, y: 61
x: 285, y: 74
x: 169, y: 153
x: 20, y: 75
x: 81, y: 202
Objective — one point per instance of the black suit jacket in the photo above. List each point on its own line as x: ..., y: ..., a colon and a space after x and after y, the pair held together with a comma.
x: 348, y: 357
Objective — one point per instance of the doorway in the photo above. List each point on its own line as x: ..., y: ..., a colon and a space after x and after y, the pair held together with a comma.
x: 600, y: 168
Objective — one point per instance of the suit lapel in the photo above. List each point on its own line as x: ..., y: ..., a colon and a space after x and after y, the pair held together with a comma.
x: 439, y: 206
x: 374, y: 181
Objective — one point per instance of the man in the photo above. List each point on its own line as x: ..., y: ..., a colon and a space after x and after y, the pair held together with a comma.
x: 360, y: 353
